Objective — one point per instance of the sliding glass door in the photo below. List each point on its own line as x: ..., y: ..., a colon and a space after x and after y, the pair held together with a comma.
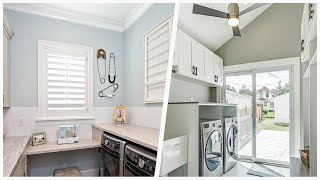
x: 264, y: 103
x: 272, y: 116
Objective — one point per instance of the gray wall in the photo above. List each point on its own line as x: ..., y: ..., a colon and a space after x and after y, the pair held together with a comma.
x: 134, y: 56
x: 184, y: 91
x: 28, y: 29
x: 275, y: 34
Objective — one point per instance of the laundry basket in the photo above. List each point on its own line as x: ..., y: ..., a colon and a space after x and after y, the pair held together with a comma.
x: 304, y: 154
x: 67, y: 172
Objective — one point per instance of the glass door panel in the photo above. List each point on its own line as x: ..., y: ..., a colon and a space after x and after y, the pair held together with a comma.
x: 272, y: 117
x: 238, y: 90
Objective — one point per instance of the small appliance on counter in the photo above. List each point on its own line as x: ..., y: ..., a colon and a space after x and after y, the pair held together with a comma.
x: 67, y: 134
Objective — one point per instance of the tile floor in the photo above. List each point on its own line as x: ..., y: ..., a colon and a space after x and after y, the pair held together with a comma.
x: 241, y: 169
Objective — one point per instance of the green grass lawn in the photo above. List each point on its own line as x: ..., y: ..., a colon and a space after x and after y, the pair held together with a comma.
x: 268, y: 115
x: 268, y: 124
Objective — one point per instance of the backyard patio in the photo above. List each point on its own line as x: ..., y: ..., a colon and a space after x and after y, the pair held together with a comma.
x: 271, y: 145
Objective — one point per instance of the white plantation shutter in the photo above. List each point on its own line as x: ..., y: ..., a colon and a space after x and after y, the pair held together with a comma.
x: 66, y: 80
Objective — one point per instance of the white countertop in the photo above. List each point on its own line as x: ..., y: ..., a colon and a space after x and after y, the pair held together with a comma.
x: 13, y: 147
x: 51, y: 147
x: 144, y: 136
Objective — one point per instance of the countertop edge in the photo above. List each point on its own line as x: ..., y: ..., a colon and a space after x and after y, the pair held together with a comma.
x: 142, y: 143
x: 16, y: 163
x: 29, y: 152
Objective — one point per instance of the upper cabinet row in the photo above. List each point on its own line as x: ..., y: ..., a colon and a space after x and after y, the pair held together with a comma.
x: 309, y: 32
x: 195, y: 62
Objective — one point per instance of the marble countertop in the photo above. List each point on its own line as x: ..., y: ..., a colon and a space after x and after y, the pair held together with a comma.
x: 13, y: 147
x: 51, y: 147
x: 144, y: 136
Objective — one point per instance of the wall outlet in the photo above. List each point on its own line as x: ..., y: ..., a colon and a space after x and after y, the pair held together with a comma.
x: 20, y: 122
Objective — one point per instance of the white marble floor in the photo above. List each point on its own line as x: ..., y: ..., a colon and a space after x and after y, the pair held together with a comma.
x: 241, y: 169
x: 271, y: 145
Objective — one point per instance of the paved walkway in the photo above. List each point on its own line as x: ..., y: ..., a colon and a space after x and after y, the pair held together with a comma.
x: 271, y: 145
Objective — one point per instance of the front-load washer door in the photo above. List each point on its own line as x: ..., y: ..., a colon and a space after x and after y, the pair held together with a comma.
x: 231, y: 140
x: 213, y: 151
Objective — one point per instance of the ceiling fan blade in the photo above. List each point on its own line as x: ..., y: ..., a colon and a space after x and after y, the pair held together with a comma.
x: 236, y: 31
x: 202, y: 10
x: 251, y: 8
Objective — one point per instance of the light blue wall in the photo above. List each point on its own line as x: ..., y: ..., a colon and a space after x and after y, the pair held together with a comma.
x: 28, y: 29
x: 134, y: 56
x: 127, y: 46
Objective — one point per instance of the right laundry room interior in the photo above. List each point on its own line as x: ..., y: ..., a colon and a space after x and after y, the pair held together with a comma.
x: 243, y: 93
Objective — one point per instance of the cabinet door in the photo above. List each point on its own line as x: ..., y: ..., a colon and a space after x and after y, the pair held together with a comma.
x: 6, y: 71
x: 198, y: 52
x: 218, y: 70
x: 209, y: 66
x: 184, y: 53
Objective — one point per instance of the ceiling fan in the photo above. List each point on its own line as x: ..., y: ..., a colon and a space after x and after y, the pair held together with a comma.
x: 232, y: 15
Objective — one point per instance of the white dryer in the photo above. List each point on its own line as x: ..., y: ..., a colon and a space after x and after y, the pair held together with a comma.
x: 211, y: 148
x: 230, y: 143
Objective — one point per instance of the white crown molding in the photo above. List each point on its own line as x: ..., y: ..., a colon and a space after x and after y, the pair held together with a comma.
x: 50, y: 12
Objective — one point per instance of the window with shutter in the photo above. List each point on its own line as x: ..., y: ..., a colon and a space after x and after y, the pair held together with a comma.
x: 64, y: 79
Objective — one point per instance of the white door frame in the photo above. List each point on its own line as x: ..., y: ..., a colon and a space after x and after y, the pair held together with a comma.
x: 296, y: 132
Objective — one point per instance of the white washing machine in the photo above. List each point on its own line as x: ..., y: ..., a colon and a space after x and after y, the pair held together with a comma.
x: 230, y: 143
x: 211, y: 148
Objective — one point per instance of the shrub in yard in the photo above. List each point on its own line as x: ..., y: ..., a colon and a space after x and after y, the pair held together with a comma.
x: 265, y: 111
x: 271, y: 110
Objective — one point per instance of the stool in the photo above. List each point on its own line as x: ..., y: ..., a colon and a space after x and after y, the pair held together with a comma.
x: 69, y: 172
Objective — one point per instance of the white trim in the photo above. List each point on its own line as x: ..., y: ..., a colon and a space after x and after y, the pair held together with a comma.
x: 7, y: 27
x: 42, y: 77
x: 65, y: 118
x: 294, y: 63
x: 98, y: 22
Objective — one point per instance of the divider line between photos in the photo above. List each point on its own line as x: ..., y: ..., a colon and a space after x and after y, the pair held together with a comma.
x: 167, y: 89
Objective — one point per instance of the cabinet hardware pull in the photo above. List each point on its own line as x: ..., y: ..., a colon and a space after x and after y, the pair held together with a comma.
x: 311, y: 11
x: 302, y: 45
x: 216, y: 78
x: 196, y: 71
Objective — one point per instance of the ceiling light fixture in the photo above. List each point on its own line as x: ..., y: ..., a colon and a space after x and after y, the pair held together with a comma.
x: 233, y: 21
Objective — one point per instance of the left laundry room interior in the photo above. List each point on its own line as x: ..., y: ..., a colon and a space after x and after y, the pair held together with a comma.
x: 83, y: 88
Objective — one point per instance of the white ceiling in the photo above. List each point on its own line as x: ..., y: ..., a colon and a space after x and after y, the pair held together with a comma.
x: 112, y: 16
x: 213, y: 32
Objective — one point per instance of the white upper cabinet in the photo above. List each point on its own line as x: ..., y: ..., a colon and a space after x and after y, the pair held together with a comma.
x: 194, y: 62
x: 197, y: 60
x: 209, y: 66
x: 218, y: 66
x: 184, y: 53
